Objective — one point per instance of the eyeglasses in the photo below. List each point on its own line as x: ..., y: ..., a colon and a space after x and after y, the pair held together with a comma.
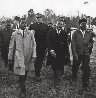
x: 38, y: 17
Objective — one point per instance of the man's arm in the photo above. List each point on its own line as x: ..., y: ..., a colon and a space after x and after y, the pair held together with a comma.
x: 73, y: 46
x: 33, y: 45
x: 11, y: 46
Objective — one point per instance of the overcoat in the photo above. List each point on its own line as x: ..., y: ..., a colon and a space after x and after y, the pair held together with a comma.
x: 25, y: 49
x: 58, y: 43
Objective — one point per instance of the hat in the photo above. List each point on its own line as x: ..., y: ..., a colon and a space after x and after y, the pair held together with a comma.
x: 17, y: 18
x: 38, y: 15
x: 61, y: 18
x: 82, y: 20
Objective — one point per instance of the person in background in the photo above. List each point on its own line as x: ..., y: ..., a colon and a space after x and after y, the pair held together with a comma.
x: 5, y: 35
x: 41, y: 30
x: 22, y: 49
x: 16, y: 22
x: 82, y: 40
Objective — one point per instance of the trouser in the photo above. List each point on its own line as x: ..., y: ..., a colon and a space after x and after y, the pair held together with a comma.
x: 58, y: 65
x: 49, y: 59
x: 39, y: 62
x: 85, y: 59
x: 22, y: 80
x: 4, y: 54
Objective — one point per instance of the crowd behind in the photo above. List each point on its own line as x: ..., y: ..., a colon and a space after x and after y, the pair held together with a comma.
x: 29, y: 42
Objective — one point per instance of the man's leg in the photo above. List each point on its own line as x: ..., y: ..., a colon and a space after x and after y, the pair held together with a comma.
x: 86, y: 70
x: 22, y: 80
x: 38, y: 64
x: 75, y: 67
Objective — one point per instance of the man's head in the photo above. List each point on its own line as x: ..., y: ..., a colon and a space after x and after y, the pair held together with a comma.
x: 3, y: 24
x: 30, y: 12
x: 16, y: 20
x: 82, y: 23
x: 62, y: 19
x: 8, y: 25
x: 23, y: 23
x: 59, y: 25
x: 39, y: 17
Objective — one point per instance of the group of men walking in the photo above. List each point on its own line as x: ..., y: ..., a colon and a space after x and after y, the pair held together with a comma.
x: 29, y: 45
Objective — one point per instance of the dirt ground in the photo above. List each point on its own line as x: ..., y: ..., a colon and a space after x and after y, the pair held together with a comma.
x: 9, y: 85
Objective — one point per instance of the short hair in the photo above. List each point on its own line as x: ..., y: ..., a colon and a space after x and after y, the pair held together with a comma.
x: 22, y: 19
x: 82, y: 20
x: 38, y: 15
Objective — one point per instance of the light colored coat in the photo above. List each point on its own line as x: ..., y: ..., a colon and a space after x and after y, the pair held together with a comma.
x: 25, y: 49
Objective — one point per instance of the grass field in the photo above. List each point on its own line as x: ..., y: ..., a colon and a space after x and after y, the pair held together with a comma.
x: 9, y: 85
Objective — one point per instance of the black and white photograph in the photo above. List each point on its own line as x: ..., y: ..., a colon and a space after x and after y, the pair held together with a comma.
x: 47, y: 48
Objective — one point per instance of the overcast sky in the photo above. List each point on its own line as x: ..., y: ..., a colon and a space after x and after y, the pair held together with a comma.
x: 11, y: 8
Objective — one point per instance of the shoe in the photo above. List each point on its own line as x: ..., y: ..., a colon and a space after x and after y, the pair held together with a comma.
x: 22, y: 94
x: 73, y: 79
x: 37, y: 78
x: 87, y: 89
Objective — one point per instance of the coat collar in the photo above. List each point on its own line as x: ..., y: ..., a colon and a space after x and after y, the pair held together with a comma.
x: 26, y: 31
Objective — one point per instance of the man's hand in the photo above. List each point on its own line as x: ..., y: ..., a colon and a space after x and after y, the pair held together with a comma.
x: 9, y: 62
x: 10, y: 65
x: 53, y: 53
x: 34, y: 59
x: 76, y: 57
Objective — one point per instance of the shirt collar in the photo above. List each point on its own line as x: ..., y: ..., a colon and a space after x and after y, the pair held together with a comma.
x: 21, y: 31
x: 82, y: 31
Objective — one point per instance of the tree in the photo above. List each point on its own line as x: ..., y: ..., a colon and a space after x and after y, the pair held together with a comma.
x: 94, y: 21
x: 49, y: 14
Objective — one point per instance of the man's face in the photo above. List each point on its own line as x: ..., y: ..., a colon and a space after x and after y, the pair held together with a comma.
x: 3, y: 24
x: 83, y: 25
x: 59, y: 25
x: 8, y: 26
x: 23, y: 24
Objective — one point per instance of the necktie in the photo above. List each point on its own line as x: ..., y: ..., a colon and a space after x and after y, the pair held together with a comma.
x: 59, y: 31
x: 23, y: 33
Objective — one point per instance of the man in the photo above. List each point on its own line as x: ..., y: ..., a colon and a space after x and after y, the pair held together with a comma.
x: 58, y: 48
x: 16, y: 22
x: 41, y: 30
x: 24, y: 45
x: 31, y: 17
x: 48, y: 61
x: 68, y: 32
x: 5, y: 35
x: 81, y: 44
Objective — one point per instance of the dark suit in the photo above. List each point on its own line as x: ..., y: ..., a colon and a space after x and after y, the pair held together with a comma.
x: 41, y: 30
x: 58, y: 43
x: 5, y: 40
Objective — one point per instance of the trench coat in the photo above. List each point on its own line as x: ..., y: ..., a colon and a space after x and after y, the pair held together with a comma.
x: 25, y: 49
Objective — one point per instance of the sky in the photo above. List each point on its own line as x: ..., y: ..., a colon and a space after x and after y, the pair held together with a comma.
x: 9, y: 8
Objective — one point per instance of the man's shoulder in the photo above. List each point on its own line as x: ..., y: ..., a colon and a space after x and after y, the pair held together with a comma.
x: 3, y: 30
x: 52, y: 31
x: 15, y: 32
x: 77, y: 31
x: 31, y: 32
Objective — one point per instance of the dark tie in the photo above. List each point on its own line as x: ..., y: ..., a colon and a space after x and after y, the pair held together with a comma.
x: 23, y: 33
